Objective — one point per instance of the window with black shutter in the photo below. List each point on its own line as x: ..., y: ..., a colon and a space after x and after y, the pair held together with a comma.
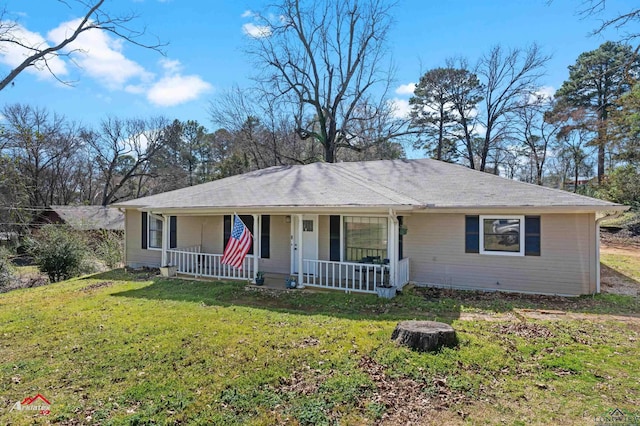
x: 400, y: 240
x: 173, y: 232
x: 334, y: 238
x: 265, y: 237
x: 247, y: 219
x: 532, y: 235
x: 145, y: 230
x: 472, y: 234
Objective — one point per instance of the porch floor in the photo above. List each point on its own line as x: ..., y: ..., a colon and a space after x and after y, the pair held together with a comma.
x: 273, y: 280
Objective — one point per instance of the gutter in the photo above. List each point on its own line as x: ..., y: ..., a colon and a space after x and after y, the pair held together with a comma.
x: 614, y: 215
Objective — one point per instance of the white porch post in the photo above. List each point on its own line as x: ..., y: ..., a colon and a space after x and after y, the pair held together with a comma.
x: 165, y: 240
x: 392, y: 247
x: 257, y: 231
x: 300, y: 249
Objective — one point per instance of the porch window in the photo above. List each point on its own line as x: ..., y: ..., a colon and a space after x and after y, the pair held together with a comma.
x: 155, y: 232
x: 365, y: 237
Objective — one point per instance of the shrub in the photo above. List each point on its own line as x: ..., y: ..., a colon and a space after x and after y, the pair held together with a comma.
x: 623, y: 186
x: 58, y: 251
x: 6, y: 268
x: 110, y: 249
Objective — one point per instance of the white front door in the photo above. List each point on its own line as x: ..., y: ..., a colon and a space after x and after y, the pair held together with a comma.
x: 308, y: 241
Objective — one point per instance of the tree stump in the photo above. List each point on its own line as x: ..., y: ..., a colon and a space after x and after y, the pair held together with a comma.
x: 424, y: 336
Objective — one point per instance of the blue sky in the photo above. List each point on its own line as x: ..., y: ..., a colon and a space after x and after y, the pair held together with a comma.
x: 205, y: 56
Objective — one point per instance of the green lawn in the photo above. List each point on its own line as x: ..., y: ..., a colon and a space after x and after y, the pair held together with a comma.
x: 120, y: 348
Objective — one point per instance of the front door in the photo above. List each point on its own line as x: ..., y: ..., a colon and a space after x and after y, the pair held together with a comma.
x: 308, y: 240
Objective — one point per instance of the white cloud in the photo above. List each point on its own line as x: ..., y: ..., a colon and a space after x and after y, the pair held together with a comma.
x: 406, y: 89
x: 13, y: 55
x: 256, y: 31
x: 400, y: 107
x: 100, y: 56
x: 543, y: 95
x: 171, y: 66
x: 545, y: 92
x: 247, y: 14
x: 174, y: 88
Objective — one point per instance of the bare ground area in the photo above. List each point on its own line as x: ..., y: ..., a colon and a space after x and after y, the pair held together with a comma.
x: 623, y: 244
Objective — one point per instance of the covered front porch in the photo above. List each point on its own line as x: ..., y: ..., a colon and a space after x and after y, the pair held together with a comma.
x: 338, y: 252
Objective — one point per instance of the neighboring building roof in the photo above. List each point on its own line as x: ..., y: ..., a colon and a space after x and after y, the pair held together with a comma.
x: 84, y: 218
x: 416, y: 184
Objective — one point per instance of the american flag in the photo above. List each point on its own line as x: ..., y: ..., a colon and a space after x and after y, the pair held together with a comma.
x: 238, y: 245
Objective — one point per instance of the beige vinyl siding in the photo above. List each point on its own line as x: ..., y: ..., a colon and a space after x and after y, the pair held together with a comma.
x: 135, y: 255
x: 280, y: 247
x: 205, y: 231
x: 435, y: 244
x: 324, y: 237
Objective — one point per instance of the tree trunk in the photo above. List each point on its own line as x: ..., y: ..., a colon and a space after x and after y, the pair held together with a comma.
x: 424, y: 336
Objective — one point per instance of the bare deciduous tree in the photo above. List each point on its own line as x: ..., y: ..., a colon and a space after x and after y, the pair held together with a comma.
x: 621, y: 21
x: 324, y: 59
x: 535, y: 131
x: 122, y: 150
x: 509, y: 76
x: 94, y: 17
x: 42, y: 146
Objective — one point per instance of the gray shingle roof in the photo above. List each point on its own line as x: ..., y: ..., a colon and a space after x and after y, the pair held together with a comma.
x: 388, y: 183
x: 91, y: 217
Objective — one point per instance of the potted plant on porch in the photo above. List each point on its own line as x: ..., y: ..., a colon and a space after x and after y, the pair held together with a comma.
x: 385, y: 289
x: 291, y: 281
x: 168, y: 270
x: 259, y: 278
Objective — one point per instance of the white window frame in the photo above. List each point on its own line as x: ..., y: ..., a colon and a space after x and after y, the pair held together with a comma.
x: 343, y: 232
x: 161, y: 219
x: 482, y: 218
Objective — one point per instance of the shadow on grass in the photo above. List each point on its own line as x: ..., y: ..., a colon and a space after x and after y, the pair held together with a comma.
x: 614, y: 281
x: 443, y: 305
x: 307, y: 302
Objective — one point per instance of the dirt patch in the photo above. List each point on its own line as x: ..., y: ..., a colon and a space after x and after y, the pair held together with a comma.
x: 620, y: 250
x: 525, y: 329
x: 612, y: 281
x: 407, y: 401
x: 96, y: 286
x: 625, y: 238
x: 25, y: 280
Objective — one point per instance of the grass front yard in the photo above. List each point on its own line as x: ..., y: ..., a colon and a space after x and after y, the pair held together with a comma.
x: 122, y: 348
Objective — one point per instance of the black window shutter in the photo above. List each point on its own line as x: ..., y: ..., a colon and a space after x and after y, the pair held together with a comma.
x: 173, y: 232
x: 247, y: 219
x: 227, y: 230
x: 532, y: 236
x: 472, y: 234
x: 265, y: 236
x: 400, y: 239
x: 334, y: 238
x: 145, y: 234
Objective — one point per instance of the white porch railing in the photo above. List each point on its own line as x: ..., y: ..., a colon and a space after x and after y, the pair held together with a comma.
x: 345, y: 276
x: 403, y: 272
x: 191, y: 261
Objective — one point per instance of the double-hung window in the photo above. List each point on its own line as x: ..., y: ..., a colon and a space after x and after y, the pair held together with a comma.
x: 505, y: 235
x: 155, y: 232
x: 502, y: 235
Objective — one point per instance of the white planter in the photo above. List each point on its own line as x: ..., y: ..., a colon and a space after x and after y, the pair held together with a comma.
x: 168, y: 271
x: 386, y: 292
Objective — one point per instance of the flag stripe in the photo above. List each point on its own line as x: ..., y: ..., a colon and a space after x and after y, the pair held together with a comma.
x: 238, y: 245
